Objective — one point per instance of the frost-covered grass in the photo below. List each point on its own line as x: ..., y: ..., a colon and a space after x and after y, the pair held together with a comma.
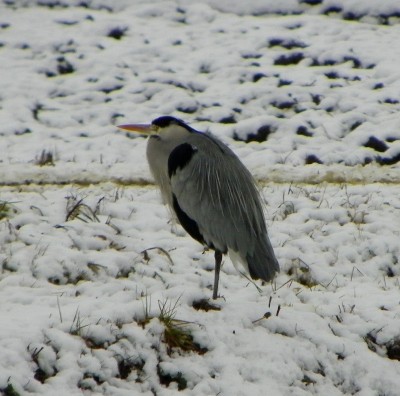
x: 114, y: 302
x: 311, y: 88
x: 101, y: 294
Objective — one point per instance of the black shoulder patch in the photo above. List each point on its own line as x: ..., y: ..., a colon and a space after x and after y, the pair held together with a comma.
x: 187, y: 223
x: 180, y: 157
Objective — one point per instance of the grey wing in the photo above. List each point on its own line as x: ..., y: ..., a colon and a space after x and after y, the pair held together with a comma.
x: 220, y: 204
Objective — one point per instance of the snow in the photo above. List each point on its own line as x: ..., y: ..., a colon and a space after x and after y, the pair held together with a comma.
x: 305, y: 92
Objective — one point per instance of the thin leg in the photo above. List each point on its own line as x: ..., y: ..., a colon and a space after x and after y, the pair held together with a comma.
x: 218, y: 260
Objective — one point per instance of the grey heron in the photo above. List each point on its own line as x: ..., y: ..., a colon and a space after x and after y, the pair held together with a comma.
x: 212, y: 193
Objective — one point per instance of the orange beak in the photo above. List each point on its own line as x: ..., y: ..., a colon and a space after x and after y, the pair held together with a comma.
x: 144, y: 129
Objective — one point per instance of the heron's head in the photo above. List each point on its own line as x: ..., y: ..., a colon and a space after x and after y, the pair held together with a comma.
x: 161, y: 126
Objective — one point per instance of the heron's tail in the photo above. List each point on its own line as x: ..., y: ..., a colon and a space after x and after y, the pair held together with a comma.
x: 262, y: 263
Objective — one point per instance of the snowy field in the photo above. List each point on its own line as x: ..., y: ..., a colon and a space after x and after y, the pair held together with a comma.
x: 101, y: 294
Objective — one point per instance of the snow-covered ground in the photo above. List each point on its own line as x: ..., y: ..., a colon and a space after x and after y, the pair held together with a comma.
x: 95, y: 277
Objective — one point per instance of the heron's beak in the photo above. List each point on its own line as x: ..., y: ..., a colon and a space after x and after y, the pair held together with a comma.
x: 144, y: 129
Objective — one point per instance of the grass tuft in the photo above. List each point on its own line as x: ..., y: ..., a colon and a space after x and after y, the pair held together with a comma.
x: 176, y: 333
x: 77, y: 209
x: 301, y: 273
x: 41, y: 374
x: 160, y: 250
x: 46, y: 158
x: 77, y: 325
x: 5, y: 209
x: 146, y: 312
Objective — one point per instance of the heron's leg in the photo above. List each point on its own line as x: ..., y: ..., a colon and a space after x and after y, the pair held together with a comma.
x: 218, y: 260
